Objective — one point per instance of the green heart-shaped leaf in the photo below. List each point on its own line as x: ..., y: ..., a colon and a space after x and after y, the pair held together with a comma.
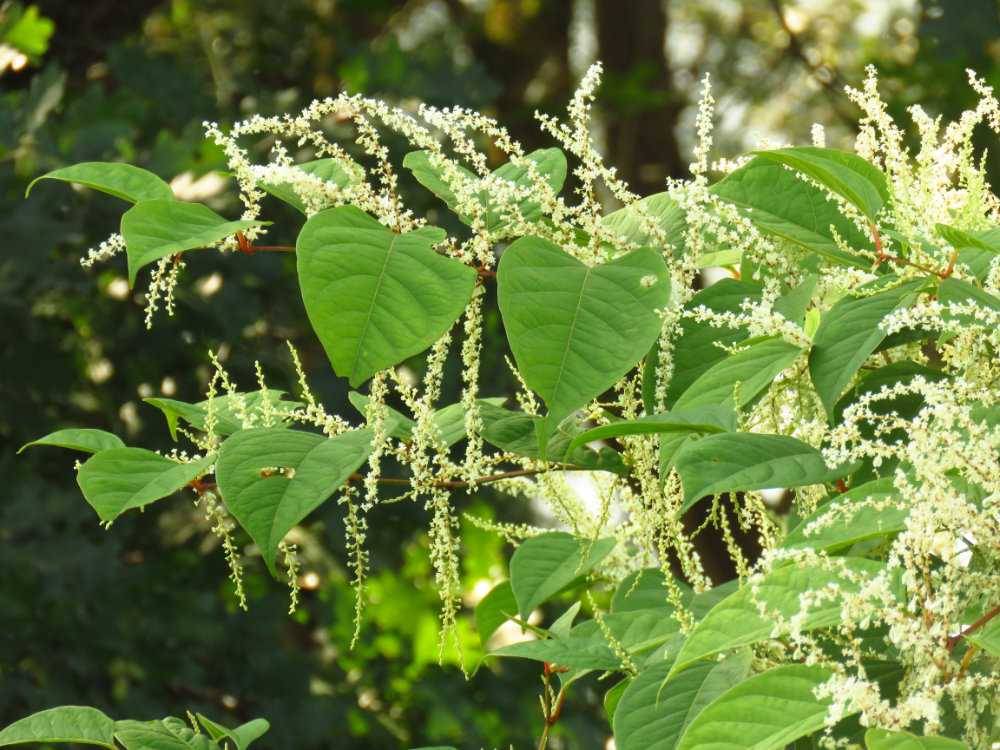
x: 154, y: 229
x: 118, y: 479
x: 271, y: 478
x: 575, y: 330
x: 375, y: 297
x: 120, y: 180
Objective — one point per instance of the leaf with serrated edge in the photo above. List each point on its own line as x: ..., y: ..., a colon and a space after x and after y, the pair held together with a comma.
x: 118, y: 479
x: 154, y: 229
x: 375, y: 297
x: 737, y: 621
x: 80, y: 724
x: 764, y: 712
x: 748, y: 461
x: 575, y: 330
x: 653, y: 716
x: 301, y: 471
x: 85, y: 439
x: 120, y: 180
x: 546, y: 563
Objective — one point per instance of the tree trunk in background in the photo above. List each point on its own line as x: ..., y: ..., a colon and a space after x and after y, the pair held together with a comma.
x: 641, y: 107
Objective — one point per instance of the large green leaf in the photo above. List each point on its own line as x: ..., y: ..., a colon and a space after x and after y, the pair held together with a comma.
x: 80, y: 724
x: 89, y: 440
x: 375, y: 297
x: 765, y: 712
x: 870, y: 511
x: 699, y: 419
x: 635, y: 630
x: 238, y: 738
x: 752, y: 368
x: 885, y: 739
x: 118, y: 479
x: 574, y: 330
x: 154, y: 229
x: 168, y: 734
x: 857, y: 181
x: 550, y: 164
x: 781, y: 203
x: 328, y: 170
x: 543, y: 565
x: 229, y: 411
x: 653, y: 716
x: 847, y: 335
x: 272, y: 478
x: 737, y: 621
x: 121, y: 180
x: 731, y: 462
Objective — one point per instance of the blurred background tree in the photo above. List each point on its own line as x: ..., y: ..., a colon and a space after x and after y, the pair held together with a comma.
x: 141, y: 622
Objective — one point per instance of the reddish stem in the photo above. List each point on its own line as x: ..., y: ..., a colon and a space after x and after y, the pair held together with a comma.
x: 953, y: 640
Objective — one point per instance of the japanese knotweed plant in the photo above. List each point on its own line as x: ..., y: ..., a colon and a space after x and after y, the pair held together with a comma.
x: 850, y: 355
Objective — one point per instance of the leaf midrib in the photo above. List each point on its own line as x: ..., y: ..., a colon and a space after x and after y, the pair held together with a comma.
x: 372, y: 306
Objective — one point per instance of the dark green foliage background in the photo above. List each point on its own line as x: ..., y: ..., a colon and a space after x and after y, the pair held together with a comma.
x: 141, y: 622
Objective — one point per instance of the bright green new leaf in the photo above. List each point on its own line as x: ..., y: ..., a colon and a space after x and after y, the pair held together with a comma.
x: 765, y: 712
x: 328, y: 170
x: 89, y: 440
x: 751, y: 370
x: 375, y: 297
x: 578, y: 653
x: 272, y: 478
x: 494, y: 609
x: 550, y: 164
x: 694, y: 420
x: 781, y: 203
x: 229, y: 411
x: 732, y: 462
x: 653, y: 716
x: 856, y: 180
x: 168, y: 734
x: 238, y: 738
x: 847, y: 335
x: 543, y: 565
x: 737, y: 621
x: 118, y: 479
x: 154, y: 229
x: 867, y: 512
x: 121, y: 180
x: 80, y: 724
x: 885, y: 739
x: 575, y: 330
